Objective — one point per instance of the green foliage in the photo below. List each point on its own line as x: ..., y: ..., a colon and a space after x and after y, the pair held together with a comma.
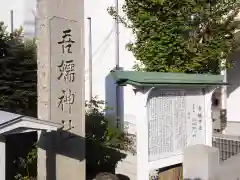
x: 27, y: 166
x: 191, y: 36
x: 103, y: 140
x: 18, y: 77
x: 97, y: 127
x: 18, y: 91
x: 100, y: 129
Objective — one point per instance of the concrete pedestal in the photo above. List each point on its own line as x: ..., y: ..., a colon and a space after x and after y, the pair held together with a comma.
x: 200, y: 162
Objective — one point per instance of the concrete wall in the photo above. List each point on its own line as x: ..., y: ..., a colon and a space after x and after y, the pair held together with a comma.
x: 233, y: 90
x: 103, y: 38
x: 128, y: 104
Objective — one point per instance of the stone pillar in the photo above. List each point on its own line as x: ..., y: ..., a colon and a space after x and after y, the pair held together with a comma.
x: 200, y: 162
x: 2, y: 159
x: 60, y: 42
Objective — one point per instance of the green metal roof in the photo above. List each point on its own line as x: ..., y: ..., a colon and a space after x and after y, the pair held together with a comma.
x: 162, y: 79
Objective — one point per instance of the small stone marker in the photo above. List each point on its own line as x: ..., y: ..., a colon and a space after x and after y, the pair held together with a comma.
x: 200, y: 162
x: 61, y: 88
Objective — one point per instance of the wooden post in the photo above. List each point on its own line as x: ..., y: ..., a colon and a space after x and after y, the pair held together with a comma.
x: 171, y: 173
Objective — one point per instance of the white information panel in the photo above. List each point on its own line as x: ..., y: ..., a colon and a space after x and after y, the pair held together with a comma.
x: 175, y: 120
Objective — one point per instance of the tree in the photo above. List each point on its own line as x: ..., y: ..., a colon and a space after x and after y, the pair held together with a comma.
x: 191, y: 36
x: 18, y: 73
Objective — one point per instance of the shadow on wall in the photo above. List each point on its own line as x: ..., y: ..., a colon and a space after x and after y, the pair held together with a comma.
x: 98, y: 157
x: 111, y: 100
x: 61, y: 143
x: 233, y: 73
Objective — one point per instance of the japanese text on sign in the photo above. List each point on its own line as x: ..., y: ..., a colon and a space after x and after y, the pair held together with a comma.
x: 66, y: 100
x: 66, y: 41
x: 66, y: 70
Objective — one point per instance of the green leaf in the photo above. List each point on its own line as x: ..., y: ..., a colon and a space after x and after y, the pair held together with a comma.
x: 188, y: 36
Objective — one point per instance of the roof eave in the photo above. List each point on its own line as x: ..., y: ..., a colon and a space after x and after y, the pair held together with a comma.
x: 23, y: 124
x: 153, y: 84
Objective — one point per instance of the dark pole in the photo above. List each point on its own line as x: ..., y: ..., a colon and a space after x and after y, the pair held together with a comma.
x: 90, y: 57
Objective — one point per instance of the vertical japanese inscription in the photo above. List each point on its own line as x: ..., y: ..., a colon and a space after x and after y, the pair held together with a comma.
x: 66, y: 89
x: 166, y: 123
x: 66, y: 70
x: 195, y: 118
x: 175, y: 121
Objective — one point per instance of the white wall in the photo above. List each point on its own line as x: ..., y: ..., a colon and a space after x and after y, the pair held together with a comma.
x: 29, y: 22
x: 18, y: 8
x: 103, y: 37
x: 233, y: 97
x: 233, y: 89
x: 104, y: 44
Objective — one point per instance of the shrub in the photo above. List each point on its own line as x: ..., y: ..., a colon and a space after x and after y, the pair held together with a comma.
x: 103, y: 139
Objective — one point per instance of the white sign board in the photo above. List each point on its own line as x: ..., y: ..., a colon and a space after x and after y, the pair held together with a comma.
x: 175, y: 120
